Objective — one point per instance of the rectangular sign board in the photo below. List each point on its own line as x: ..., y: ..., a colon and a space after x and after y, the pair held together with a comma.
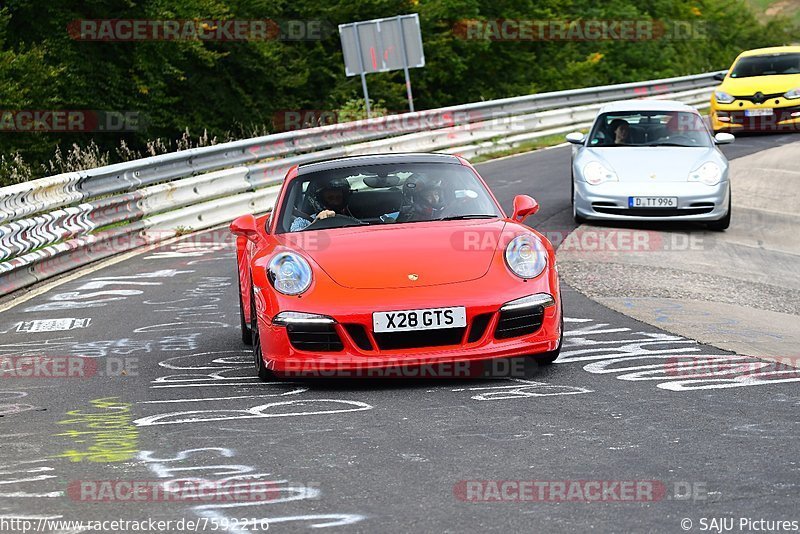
x: 382, y: 45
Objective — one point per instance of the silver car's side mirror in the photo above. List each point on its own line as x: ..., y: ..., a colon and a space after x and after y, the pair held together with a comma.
x: 576, y: 138
x: 724, y: 138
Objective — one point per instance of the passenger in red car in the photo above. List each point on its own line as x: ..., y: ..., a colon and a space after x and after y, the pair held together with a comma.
x: 427, y: 199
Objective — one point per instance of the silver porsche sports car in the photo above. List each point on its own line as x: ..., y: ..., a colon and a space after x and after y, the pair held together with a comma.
x: 650, y: 160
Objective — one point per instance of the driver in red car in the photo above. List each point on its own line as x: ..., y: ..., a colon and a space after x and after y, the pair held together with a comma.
x: 427, y: 199
x: 329, y: 200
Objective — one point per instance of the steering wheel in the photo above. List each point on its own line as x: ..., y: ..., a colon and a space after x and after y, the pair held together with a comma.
x: 337, y: 221
x: 456, y: 207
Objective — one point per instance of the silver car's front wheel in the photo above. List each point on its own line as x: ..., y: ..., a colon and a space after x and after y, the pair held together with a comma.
x: 722, y: 224
x: 575, y: 215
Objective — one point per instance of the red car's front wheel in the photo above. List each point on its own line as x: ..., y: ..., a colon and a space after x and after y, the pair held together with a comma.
x: 258, y: 356
x: 546, y: 358
x: 247, y: 334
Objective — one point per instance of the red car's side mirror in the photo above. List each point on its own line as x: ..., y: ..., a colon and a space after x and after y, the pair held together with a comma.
x: 524, y: 207
x: 245, y: 226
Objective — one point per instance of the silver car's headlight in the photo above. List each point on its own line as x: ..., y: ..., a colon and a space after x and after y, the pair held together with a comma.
x: 708, y: 173
x: 723, y: 98
x: 791, y: 95
x: 526, y: 256
x: 289, y: 273
x: 595, y: 173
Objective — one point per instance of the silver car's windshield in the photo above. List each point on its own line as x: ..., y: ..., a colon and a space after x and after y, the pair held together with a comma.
x: 384, y: 194
x: 768, y: 65
x: 649, y: 128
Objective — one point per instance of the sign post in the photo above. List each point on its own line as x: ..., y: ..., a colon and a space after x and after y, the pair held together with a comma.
x: 382, y: 45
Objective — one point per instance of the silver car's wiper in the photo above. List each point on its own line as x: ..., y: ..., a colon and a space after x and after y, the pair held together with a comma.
x: 671, y: 144
x: 470, y: 216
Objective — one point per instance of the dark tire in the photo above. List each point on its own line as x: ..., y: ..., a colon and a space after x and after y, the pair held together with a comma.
x: 577, y: 217
x: 546, y: 358
x: 258, y: 356
x: 722, y: 224
x: 247, y: 335
x: 572, y: 190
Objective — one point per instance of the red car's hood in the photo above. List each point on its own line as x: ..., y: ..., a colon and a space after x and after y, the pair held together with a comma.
x: 384, y: 257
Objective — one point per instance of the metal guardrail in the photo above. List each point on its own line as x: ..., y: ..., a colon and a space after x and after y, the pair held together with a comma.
x: 51, y: 225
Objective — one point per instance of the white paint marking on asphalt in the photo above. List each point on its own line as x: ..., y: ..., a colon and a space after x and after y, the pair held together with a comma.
x: 30, y: 479
x: 12, y: 395
x: 201, y: 378
x: 255, y: 412
x: 244, y: 476
x: 32, y: 517
x: 52, y: 325
x: 203, y: 399
x: 214, y: 384
x: 47, y: 287
x: 174, y: 327
x: 34, y: 470
x: 13, y: 409
x: 678, y: 368
x: 22, y: 494
x: 599, y: 328
x: 334, y: 520
x: 531, y: 389
x: 78, y: 299
x: 245, y: 356
x: 147, y: 456
x: 723, y: 383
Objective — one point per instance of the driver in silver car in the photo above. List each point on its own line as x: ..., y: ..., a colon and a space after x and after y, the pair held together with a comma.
x: 329, y: 200
x: 621, y: 131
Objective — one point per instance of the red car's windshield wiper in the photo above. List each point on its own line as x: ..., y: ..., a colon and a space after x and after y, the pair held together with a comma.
x: 471, y: 216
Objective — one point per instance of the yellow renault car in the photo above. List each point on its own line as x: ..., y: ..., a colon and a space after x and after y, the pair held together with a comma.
x: 760, y: 92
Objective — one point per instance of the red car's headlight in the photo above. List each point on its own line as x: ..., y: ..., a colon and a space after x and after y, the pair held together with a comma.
x: 526, y: 256
x: 545, y: 300
x: 289, y: 273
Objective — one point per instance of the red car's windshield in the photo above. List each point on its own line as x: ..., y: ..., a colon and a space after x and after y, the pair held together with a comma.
x: 384, y: 194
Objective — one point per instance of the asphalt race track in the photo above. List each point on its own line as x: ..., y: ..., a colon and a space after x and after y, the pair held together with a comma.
x: 171, y: 394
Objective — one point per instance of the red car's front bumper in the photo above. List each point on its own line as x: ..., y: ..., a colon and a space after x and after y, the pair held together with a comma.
x: 358, y: 350
x: 349, y: 347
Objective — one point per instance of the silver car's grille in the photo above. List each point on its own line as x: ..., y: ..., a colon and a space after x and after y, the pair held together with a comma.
x: 653, y: 212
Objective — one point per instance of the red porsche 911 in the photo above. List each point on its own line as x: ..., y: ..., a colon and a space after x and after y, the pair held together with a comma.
x: 374, y: 262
